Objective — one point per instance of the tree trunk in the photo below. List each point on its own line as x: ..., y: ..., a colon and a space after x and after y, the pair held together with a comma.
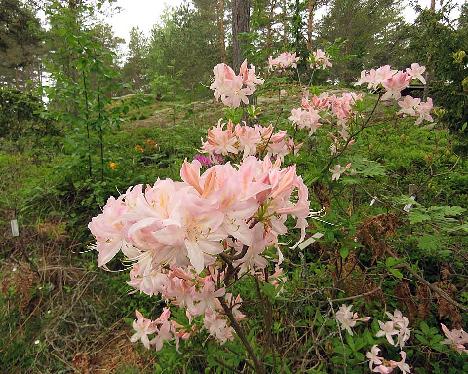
x: 240, y: 24
x: 269, y: 30
x: 221, y: 33
x: 284, y: 18
x: 310, y: 22
x: 428, y: 74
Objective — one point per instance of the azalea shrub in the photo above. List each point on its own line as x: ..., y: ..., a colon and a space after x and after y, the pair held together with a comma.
x: 241, y: 216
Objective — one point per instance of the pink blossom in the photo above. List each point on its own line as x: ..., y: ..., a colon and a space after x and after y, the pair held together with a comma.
x: 373, y: 356
x: 174, y: 234
x: 320, y: 60
x: 233, y: 89
x: 408, y: 105
x: 283, y: 61
x: 416, y: 72
x: 416, y: 108
x: 387, y: 329
x: 401, y: 323
x: 424, y: 111
x: 143, y: 327
x: 348, y: 319
x: 402, y: 365
x: 457, y: 339
x: 338, y: 170
x: 375, y: 78
x: 107, y: 229
x: 306, y: 119
x: 395, y: 85
x: 218, y: 327
x: 229, y: 141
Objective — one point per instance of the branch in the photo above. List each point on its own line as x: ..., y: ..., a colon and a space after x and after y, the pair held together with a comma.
x: 259, y: 368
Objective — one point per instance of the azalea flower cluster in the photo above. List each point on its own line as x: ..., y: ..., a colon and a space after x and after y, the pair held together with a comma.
x: 317, y: 110
x: 456, y: 338
x: 186, y: 238
x: 320, y: 60
x: 414, y: 107
x: 284, y: 61
x: 397, y: 325
x: 229, y: 140
x: 395, y: 81
x: 384, y: 366
x: 233, y: 89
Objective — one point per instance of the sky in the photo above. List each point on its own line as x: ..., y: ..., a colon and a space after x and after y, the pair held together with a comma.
x: 145, y: 13
x: 141, y: 13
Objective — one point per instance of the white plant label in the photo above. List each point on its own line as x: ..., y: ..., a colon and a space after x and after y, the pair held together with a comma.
x: 14, y: 227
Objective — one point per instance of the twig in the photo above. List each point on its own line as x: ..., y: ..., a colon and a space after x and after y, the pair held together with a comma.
x: 259, y: 368
x: 356, y: 296
x: 352, y: 136
x: 433, y: 287
x: 272, y: 131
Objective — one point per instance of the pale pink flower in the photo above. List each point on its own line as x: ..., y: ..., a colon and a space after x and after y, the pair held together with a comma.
x: 401, y: 323
x: 375, y: 78
x: 373, y: 356
x: 387, y: 329
x: 306, y: 119
x: 233, y: 89
x: 218, y: 327
x: 338, y: 170
x: 143, y: 327
x: 348, y: 319
x: 402, y: 365
x: 395, y: 85
x: 320, y: 60
x: 283, y: 61
x: 107, y: 228
x: 416, y: 72
x: 456, y: 339
x: 408, y: 105
x: 424, y: 111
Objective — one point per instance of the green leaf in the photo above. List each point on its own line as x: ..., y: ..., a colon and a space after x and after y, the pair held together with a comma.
x: 418, y: 216
x: 396, y: 273
x: 344, y: 252
x: 429, y: 242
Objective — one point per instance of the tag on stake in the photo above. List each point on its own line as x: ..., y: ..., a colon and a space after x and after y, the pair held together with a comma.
x: 14, y: 227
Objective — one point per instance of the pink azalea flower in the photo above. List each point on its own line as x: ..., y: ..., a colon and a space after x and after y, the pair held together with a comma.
x: 387, y: 329
x: 416, y: 72
x: 408, y: 105
x: 283, y: 61
x: 424, y: 111
x: 107, y: 228
x: 457, y: 339
x: 320, y: 60
x: 338, y: 170
x: 218, y: 327
x: 373, y: 356
x: 348, y: 319
x: 395, y: 85
x: 402, y: 365
x: 143, y: 327
x: 233, y: 89
x: 306, y: 119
